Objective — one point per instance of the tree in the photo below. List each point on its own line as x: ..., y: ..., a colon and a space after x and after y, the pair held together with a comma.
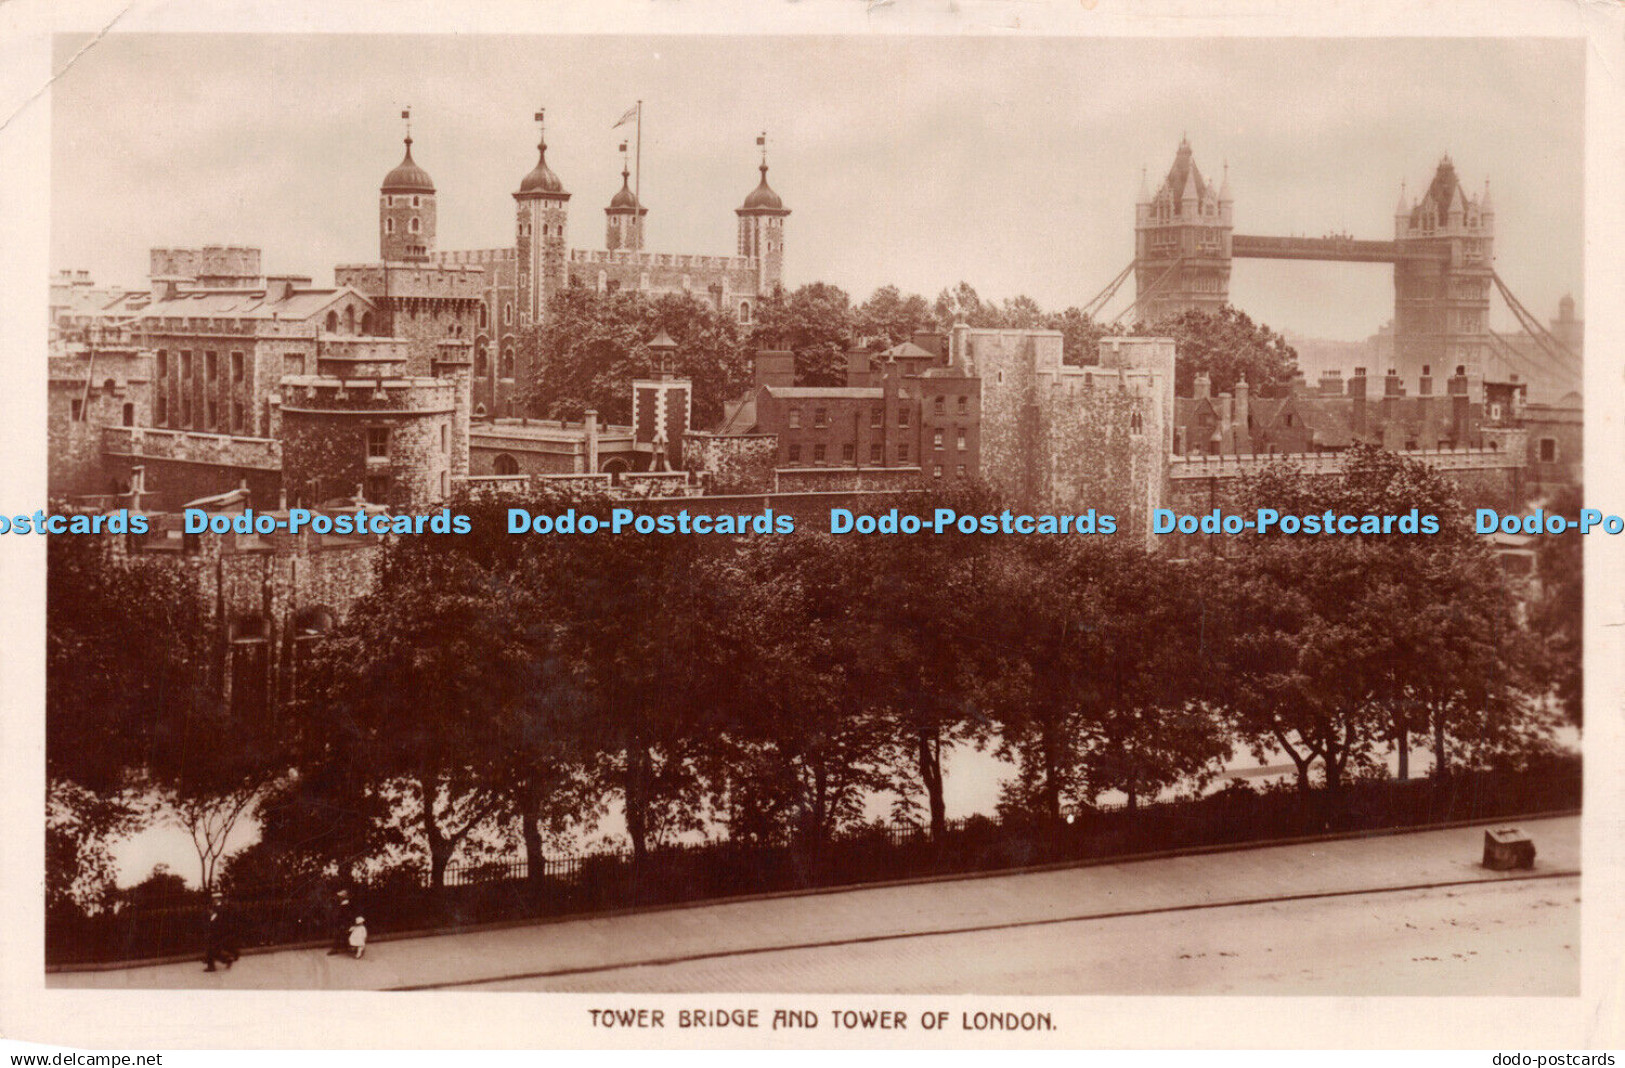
x: 407, y: 688
x: 888, y: 318
x: 1555, y: 616
x: 1341, y: 643
x: 919, y: 598
x: 592, y: 345
x: 1227, y: 345
x: 1102, y: 653
x: 816, y: 323
x: 803, y: 747
x: 127, y: 687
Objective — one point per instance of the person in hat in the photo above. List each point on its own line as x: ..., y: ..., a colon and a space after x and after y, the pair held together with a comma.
x: 339, y: 923
x: 220, y: 937
x: 358, y: 936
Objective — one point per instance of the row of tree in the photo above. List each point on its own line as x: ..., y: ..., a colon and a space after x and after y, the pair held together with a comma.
x: 592, y: 344
x: 494, y: 688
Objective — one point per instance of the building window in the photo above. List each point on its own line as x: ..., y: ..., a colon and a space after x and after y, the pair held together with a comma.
x: 964, y: 405
x: 377, y: 442
x: 481, y: 365
x: 389, y: 226
x: 795, y: 454
x: 129, y: 415
x: 744, y: 311
x: 848, y: 452
x: 936, y: 471
x: 877, y: 417
x: 959, y: 471
x: 1495, y: 411
x: 416, y: 202
x: 939, y: 405
x: 507, y: 314
x: 875, y: 456
x: 186, y: 411
x: 1136, y: 425
x: 902, y: 415
x: 332, y: 322
x: 161, y: 411
x: 237, y: 416
x: 936, y: 439
x: 444, y: 483
x: 902, y: 452
x: 963, y: 445
x: 507, y: 364
x: 186, y: 363
x: 795, y: 419
x: 819, y: 454
x: 820, y: 417
x: 445, y: 438
x: 78, y: 410
x: 377, y: 488
x: 211, y: 365
x: 236, y: 367
x: 214, y: 416
x: 412, y: 224
x: 163, y: 364
x: 505, y: 465
x: 1548, y: 450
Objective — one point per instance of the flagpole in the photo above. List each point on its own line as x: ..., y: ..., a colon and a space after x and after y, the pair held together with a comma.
x: 637, y: 178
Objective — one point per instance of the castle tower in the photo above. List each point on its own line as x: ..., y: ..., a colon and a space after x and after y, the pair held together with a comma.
x: 623, y: 223
x: 1442, y: 280
x: 406, y: 210
x: 761, y: 230
x: 542, y: 211
x: 1182, y: 242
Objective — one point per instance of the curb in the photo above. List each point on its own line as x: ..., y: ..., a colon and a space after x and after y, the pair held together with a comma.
x: 772, y: 895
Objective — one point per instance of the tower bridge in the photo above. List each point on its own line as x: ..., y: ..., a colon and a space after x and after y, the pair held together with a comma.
x: 1442, y: 252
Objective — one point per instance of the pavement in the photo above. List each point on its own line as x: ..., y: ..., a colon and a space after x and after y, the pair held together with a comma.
x: 1409, y: 913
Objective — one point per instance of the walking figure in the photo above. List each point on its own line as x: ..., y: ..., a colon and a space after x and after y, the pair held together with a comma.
x: 358, y: 936
x: 339, y: 924
x: 220, y: 938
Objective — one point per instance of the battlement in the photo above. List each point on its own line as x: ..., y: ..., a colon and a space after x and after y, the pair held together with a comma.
x: 443, y: 281
x: 1243, y: 465
x: 660, y: 259
x: 220, y: 449
x: 367, y: 396
x: 476, y: 256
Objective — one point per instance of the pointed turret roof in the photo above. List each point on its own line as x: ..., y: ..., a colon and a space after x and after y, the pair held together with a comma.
x: 625, y: 200
x: 1440, y: 194
x: 407, y: 177
x: 541, y: 178
x: 1184, y: 179
x: 762, y: 198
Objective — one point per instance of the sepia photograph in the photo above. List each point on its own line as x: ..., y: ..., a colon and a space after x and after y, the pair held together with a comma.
x: 798, y: 519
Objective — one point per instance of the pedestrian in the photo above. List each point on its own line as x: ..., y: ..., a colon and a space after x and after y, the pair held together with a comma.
x: 220, y: 937
x: 358, y: 936
x: 339, y: 924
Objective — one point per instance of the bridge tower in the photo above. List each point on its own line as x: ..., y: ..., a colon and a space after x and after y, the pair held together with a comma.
x: 1442, y: 275
x: 1182, y: 242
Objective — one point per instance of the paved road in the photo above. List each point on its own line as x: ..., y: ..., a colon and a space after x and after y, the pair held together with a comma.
x: 1324, y: 918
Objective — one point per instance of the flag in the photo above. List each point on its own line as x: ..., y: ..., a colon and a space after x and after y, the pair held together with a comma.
x: 631, y: 113
x: 407, y: 114
x: 761, y: 140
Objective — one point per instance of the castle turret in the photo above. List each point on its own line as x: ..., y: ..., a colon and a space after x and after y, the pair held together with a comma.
x: 761, y: 230
x: 542, y: 209
x: 623, y: 222
x: 406, y: 210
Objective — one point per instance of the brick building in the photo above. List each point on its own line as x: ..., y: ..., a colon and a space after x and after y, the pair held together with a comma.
x: 905, y: 410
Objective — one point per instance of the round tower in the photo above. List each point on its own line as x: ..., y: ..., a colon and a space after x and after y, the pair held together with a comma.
x: 623, y: 219
x: 761, y: 230
x: 542, y: 209
x: 406, y: 211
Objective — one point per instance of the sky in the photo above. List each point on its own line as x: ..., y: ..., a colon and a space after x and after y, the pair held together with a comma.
x: 1011, y: 164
